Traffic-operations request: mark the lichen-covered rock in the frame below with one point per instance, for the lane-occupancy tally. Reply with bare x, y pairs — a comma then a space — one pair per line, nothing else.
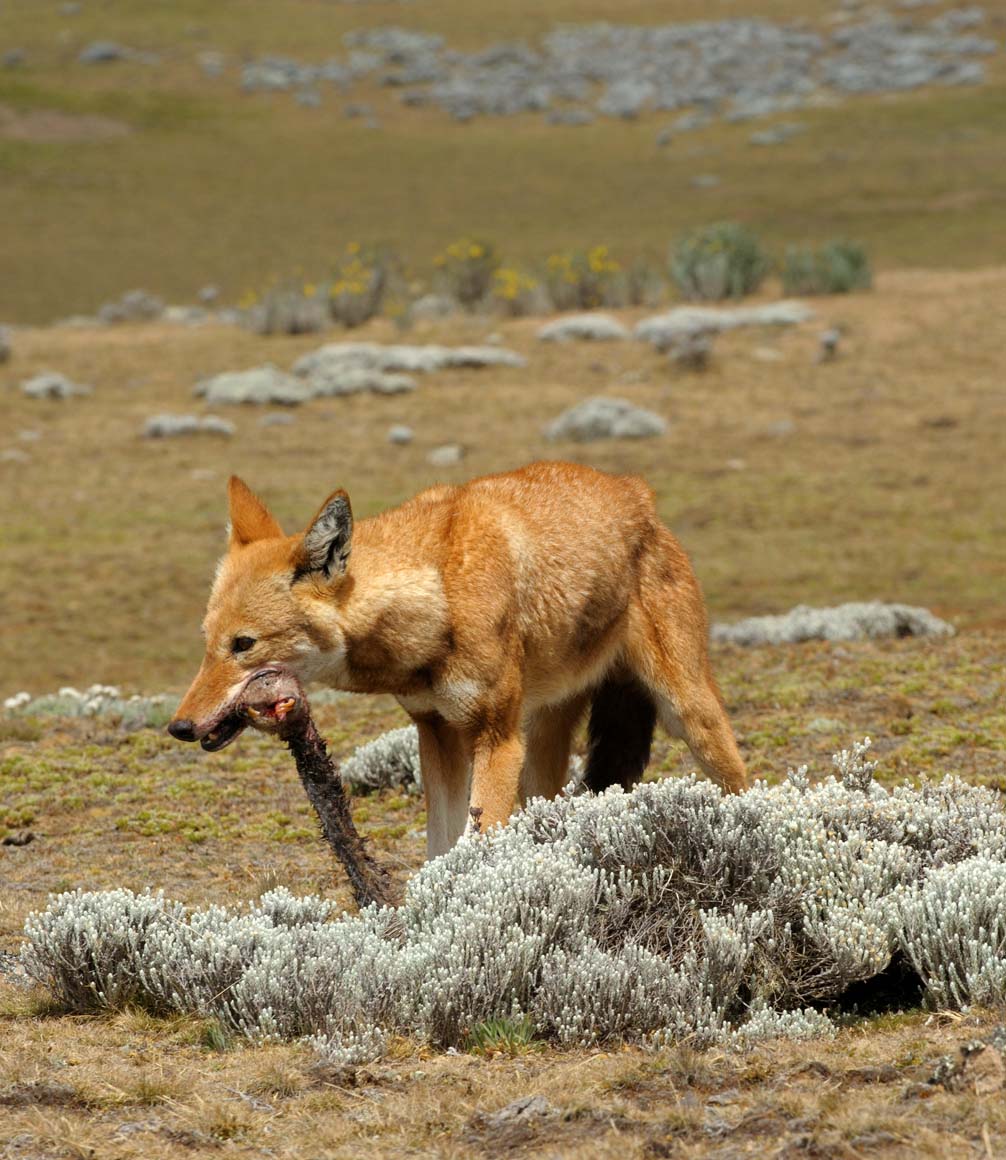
339, 357
589, 327
448, 455
260, 385
52, 385
854, 621
662, 329
601, 418
167, 426
133, 306
345, 378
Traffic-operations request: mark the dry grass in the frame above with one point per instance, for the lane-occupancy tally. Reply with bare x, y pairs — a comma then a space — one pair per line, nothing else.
128, 1087
213, 185
887, 486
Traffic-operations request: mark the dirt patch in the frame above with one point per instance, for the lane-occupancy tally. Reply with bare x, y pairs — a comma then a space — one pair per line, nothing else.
45, 125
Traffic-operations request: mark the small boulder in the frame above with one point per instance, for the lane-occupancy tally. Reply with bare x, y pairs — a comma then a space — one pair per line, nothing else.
400, 434
449, 455
260, 385
601, 418
52, 385
167, 426
587, 327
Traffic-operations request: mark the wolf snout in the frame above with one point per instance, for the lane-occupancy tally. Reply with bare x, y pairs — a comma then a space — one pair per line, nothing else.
182, 729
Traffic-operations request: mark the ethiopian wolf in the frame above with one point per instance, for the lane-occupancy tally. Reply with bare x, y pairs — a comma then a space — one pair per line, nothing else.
498, 613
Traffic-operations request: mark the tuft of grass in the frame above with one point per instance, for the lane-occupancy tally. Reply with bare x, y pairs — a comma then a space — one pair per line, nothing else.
504, 1036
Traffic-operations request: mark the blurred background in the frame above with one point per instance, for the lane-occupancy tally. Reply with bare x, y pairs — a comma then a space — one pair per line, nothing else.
193, 189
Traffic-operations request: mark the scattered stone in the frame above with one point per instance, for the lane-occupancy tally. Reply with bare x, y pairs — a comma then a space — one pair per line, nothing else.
433, 306
521, 1110
52, 385
781, 429
689, 122
449, 455
691, 351
276, 419
309, 99
777, 135
828, 342
766, 354
400, 434
570, 117
704, 181
102, 52
14, 58
350, 379
28, 435
662, 329
588, 327
185, 315
212, 64
340, 356
749, 68
133, 306
261, 385
5, 344
854, 621
824, 725
167, 426
209, 295
602, 418
14, 455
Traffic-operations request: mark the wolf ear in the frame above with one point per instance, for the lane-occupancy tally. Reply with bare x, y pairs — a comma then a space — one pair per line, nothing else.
250, 518
326, 543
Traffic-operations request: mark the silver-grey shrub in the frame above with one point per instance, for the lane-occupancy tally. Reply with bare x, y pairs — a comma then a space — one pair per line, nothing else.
390, 761
134, 712
838, 267
724, 260
669, 913
857, 620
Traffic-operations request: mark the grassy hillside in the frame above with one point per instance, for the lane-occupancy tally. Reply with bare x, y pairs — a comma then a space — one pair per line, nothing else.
191, 181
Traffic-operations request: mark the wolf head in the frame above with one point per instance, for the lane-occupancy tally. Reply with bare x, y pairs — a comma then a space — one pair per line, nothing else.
273, 606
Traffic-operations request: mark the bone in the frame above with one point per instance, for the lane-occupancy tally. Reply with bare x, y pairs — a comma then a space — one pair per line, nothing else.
275, 703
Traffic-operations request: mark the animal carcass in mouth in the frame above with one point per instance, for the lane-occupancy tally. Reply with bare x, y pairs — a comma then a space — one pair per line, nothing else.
274, 702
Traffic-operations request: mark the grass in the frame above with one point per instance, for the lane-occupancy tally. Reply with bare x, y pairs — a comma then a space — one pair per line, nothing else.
214, 185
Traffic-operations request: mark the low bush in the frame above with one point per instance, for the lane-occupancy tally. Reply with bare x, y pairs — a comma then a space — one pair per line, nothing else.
286, 309
359, 285
670, 913
720, 261
585, 279
465, 271
518, 294
835, 268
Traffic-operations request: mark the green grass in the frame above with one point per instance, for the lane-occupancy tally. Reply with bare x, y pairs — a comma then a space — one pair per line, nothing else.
214, 185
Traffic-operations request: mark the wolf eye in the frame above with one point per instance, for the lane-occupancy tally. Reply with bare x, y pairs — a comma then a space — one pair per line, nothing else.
242, 644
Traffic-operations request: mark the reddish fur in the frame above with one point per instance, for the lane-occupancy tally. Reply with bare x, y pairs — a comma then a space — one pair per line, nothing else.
494, 611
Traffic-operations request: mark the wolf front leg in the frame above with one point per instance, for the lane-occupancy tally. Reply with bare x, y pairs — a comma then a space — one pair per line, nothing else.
446, 764
497, 761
